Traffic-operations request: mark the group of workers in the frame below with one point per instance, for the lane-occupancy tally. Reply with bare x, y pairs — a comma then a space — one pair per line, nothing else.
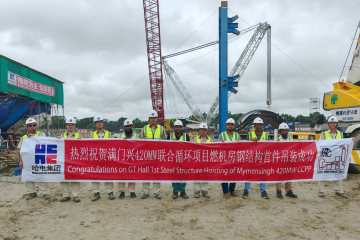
155, 131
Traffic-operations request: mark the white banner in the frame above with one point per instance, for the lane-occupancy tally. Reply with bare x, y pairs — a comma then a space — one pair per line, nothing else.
118, 160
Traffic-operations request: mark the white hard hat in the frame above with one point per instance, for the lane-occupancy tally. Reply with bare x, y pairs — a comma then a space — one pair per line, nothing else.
333, 119
128, 122
230, 120
153, 113
258, 120
203, 125
283, 126
98, 118
70, 120
178, 123
30, 120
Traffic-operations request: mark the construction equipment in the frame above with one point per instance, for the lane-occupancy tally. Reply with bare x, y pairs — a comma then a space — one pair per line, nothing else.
244, 60
344, 100
153, 43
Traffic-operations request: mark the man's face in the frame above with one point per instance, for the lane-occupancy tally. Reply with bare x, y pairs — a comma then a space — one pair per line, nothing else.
203, 132
230, 126
70, 127
258, 126
332, 125
284, 131
31, 127
99, 125
153, 120
178, 129
128, 128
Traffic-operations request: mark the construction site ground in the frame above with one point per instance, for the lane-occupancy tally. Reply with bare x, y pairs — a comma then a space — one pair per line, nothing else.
307, 217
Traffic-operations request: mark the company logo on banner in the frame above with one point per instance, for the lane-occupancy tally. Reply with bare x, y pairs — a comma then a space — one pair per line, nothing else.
332, 159
21, 82
46, 159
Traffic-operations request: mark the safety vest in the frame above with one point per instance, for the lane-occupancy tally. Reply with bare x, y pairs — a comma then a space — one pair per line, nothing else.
65, 135
197, 139
326, 135
225, 136
25, 136
264, 136
182, 138
280, 138
94, 134
134, 136
148, 132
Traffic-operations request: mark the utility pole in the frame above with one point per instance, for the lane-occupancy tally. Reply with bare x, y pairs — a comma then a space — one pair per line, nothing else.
226, 83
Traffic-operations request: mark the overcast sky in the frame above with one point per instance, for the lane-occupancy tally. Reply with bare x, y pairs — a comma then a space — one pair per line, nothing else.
98, 49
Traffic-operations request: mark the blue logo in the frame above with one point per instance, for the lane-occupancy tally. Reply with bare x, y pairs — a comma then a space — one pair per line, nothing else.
45, 154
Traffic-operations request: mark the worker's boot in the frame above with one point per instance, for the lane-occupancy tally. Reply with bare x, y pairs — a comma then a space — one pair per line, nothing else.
205, 194
197, 194
96, 197
111, 196
31, 196
175, 195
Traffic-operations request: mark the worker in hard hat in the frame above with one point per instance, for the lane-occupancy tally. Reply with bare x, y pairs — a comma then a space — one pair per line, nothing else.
31, 131
202, 138
152, 131
332, 133
179, 135
257, 135
284, 136
101, 133
74, 187
130, 135
229, 136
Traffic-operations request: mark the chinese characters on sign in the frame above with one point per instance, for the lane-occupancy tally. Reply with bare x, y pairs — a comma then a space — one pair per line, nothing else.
21, 82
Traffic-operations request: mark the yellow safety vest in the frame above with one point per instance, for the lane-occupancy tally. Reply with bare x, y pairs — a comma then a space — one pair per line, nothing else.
25, 136
197, 139
182, 138
158, 131
264, 136
94, 134
326, 135
280, 138
134, 136
225, 136
65, 135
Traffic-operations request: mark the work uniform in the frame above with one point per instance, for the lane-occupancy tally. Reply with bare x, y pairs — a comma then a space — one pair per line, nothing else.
109, 186
30, 186
74, 187
226, 187
178, 186
131, 185
327, 135
152, 133
201, 186
287, 184
264, 136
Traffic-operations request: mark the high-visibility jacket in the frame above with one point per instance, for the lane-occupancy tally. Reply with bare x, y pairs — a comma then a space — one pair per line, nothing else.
134, 136
94, 134
264, 136
182, 138
158, 132
76, 135
326, 135
26, 135
197, 139
225, 136
280, 138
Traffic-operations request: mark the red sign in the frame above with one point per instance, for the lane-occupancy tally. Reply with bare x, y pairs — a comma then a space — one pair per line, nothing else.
30, 85
144, 160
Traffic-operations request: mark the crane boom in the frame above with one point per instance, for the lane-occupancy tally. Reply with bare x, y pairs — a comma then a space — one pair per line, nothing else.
153, 43
174, 78
241, 64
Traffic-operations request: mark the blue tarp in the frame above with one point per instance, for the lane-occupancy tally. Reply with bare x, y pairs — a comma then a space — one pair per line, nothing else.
12, 109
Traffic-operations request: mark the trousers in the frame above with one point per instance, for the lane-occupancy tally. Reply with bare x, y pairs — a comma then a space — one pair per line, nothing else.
226, 187
337, 186
146, 187
131, 187
109, 186
30, 187
200, 186
287, 186
179, 187
67, 187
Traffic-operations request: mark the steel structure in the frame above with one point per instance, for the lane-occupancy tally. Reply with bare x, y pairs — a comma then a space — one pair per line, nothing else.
244, 60
153, 43
174, 78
